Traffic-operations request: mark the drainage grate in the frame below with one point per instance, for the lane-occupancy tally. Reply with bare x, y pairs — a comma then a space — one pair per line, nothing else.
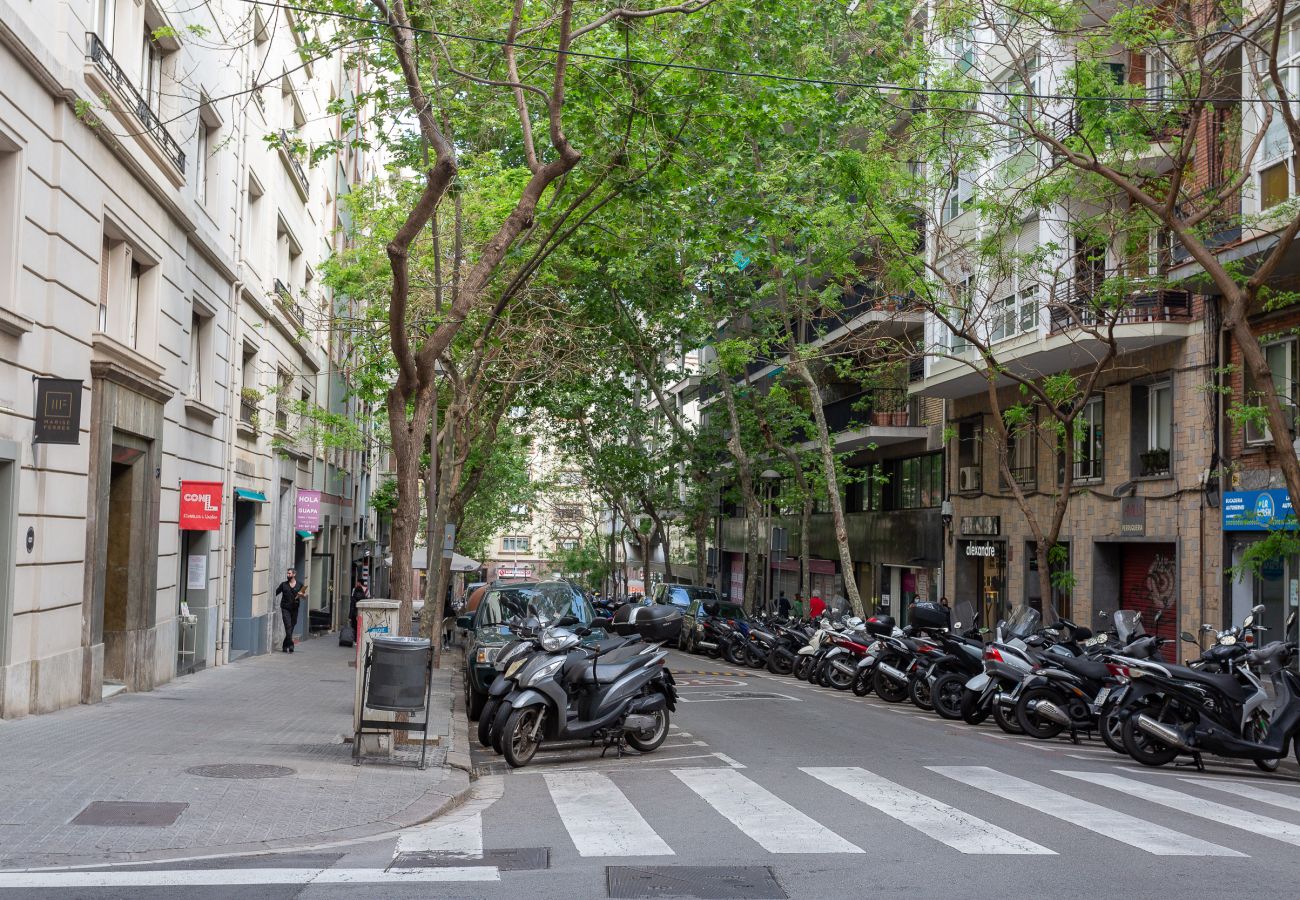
517, 859
240, 770
128, 812
705, 882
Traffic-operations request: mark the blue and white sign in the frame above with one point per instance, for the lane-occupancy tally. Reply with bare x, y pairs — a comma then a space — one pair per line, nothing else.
1258, 511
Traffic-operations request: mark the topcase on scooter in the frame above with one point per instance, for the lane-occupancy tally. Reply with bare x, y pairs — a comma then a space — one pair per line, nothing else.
926, 614
657, 622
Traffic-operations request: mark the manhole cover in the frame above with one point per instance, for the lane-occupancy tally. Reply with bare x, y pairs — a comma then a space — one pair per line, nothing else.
239, 770
705, 882
714, 696
129, 812
516, 859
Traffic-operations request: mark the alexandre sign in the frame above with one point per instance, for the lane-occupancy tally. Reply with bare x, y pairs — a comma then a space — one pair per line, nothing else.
985, 549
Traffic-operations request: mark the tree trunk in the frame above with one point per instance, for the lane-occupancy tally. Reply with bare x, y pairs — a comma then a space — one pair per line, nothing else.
832, 481
408, 436
744, 470
699, 526
805, 523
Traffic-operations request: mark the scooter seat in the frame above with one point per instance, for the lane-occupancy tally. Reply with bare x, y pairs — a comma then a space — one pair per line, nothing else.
1084, 667
1227, 684
609, 672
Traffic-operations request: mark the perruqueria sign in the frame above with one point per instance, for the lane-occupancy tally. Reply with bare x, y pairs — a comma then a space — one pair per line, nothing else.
982, 549
1258, 511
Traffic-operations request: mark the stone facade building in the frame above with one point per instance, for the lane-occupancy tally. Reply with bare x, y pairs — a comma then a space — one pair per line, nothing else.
157, 251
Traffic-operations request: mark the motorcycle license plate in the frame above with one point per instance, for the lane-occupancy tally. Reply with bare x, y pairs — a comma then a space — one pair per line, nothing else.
1101, 697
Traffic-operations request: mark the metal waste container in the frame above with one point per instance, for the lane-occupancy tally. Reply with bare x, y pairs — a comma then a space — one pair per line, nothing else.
398, 668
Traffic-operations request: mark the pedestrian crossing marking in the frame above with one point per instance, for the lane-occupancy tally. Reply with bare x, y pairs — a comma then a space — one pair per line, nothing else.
944, 823
128, 878
1250, 792
1135, 832
774, 824
599, 817
1232, 816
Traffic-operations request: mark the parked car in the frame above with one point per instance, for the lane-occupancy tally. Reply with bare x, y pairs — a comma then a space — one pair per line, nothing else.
699, 613
488, 626
682, 596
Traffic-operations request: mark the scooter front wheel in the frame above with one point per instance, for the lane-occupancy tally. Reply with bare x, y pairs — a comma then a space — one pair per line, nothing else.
840, 679
1006, 718
862, 682
780, 661
485, 720
946, 693
918, 690
1033, 724
519, 744
889, 690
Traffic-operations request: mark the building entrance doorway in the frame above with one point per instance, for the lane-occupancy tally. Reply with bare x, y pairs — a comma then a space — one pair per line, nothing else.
242, 639
123, 580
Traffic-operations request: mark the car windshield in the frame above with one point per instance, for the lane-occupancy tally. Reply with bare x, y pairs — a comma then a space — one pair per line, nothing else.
682, 596
545, 601
1023, 622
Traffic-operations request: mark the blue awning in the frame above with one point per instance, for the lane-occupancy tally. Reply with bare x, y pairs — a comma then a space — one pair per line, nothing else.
246, 494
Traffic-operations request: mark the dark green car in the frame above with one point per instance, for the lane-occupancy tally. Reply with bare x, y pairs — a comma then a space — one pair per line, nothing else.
488, 631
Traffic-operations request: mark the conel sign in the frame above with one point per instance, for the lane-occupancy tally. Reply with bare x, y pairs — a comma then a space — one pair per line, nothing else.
201, 505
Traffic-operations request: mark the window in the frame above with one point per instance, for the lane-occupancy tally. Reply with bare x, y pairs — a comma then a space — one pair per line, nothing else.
284, 387
964, 293
919, 481
207, 139
1274, 185
1281, 357
251, 386
568, 478
253, 227
151, 66
1088, 444
105, 19
568, 513
962, 44
200, 353
1022, 454
10, 206
1157, 66
961, 196
1153, 407
569, 544
516, 544
126, 288
970, 455
519, 509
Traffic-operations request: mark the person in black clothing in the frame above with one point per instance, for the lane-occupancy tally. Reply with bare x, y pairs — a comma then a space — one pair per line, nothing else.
783, 606
358, 594
290, 594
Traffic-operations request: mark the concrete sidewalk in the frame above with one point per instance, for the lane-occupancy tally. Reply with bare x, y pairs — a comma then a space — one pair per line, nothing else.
280, 710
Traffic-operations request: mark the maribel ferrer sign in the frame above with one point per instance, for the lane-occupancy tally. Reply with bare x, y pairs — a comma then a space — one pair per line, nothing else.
1258, 511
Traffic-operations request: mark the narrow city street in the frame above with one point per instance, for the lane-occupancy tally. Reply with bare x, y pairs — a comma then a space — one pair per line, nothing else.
769, 788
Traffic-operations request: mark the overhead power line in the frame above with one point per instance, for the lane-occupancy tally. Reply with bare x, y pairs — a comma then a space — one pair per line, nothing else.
714, 70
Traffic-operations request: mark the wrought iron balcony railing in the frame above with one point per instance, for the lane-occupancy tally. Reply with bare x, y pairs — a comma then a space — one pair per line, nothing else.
289, 301
113, 72
286, 148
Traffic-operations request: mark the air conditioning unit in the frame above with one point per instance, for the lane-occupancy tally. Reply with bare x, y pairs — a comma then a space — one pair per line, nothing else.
1260, 433
968, 478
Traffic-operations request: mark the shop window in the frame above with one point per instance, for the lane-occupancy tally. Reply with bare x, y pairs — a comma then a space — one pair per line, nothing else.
970, 455
1153, 409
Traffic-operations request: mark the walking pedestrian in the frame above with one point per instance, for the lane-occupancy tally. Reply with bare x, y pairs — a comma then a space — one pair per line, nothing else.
290, 594
799, 609
816, 606
783, 606
358, 594
448, 619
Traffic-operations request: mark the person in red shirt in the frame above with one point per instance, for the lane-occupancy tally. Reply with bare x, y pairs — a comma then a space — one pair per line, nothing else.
816, 606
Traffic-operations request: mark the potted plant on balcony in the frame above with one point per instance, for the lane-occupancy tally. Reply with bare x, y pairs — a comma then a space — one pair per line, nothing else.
249, 398
1155, 461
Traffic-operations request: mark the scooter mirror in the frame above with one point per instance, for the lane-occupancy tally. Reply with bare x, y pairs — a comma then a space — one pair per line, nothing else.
1248, 621
1290, 620
1258, 609
1188, 637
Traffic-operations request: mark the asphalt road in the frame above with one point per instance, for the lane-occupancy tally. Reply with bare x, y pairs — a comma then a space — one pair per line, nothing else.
798, 792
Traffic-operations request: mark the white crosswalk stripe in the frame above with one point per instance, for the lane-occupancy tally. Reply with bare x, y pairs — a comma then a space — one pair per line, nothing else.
599, 817
1250, 792
1107, 822
774, 824
944, 823
1222, 813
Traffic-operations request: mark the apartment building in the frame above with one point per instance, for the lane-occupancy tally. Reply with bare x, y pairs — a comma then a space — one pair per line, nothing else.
1142, 525
162, 330
890, 444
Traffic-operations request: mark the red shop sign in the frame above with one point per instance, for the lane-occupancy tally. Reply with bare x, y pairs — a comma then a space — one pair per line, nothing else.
201, 505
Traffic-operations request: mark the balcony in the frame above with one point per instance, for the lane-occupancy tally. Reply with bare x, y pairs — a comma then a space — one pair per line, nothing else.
876, 417
1149, 318
301, 184
107, 71
289, 302
1153, 118
1076, 309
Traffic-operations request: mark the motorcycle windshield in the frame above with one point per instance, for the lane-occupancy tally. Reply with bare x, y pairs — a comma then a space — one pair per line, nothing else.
963, 616
1128, 625
1023, 622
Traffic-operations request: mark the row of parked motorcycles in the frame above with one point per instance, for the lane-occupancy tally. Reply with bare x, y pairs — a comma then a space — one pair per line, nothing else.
557, 683
1044, 680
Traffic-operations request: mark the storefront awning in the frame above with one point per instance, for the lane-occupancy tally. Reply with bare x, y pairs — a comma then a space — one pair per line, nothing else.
305, 535
246, 494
